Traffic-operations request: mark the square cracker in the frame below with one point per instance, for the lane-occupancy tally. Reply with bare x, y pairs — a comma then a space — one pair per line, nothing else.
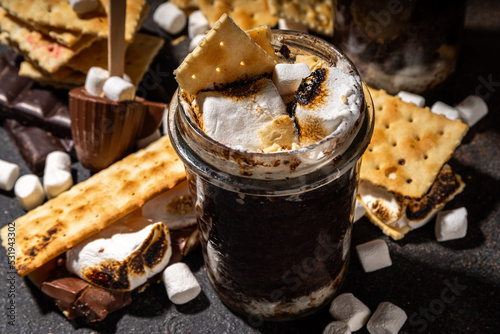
409, 145
88, 207
225, 55
317, 15
247, 14
59, 14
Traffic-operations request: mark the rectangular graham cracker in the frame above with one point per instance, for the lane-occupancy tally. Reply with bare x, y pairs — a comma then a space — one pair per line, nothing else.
226, 55
247, 14
317, 15
409, 145
88, 207
65, 37
59, 14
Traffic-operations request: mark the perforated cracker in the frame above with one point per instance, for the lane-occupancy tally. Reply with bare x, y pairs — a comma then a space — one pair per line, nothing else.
226, 55
409, 145
88, 207
247, 14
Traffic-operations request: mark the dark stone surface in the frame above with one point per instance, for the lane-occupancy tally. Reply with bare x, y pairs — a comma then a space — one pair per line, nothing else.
422, 270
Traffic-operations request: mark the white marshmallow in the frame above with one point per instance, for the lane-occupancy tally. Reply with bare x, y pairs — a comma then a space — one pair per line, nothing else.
336, 108
29, 191
387, 319
287, 77
472, 109
96, 77
378, 199
285, 24
359, 211
195, 41
124, 244
248, 114
442, 108
451, 224
374, 255
56, 181
57, 160
337, 327
170, 18
347, 308
197, 24
180, 283
143, 142
118, 89
416, 99
83, 6
164, 121
9, 172
174, 207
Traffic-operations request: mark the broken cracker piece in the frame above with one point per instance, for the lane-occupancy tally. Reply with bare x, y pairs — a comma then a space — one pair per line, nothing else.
261, 35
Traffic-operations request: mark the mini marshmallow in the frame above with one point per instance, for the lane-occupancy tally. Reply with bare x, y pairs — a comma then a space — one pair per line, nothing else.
29, 191
118, 89
83, 6
472, 109
374, 255
180, 283
56, 181
337, 327
287, 77
451, 224
170, 18
442, 108
285, 24
9, 173
195, 41
197, 24
143, 142
359, 211
408, 97
96, 77
57, 160
351, 310
387, 319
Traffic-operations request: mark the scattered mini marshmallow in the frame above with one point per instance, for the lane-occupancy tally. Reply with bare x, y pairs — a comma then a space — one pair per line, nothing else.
170, 18
442, 108
387, 319
408, 97
195, 41
451, 224
57, 160
83, 6
29, 192
472, 109
56, 181
143, 142
337, 327
96, 77
359, 211
197, 24
180, 283
287, 77
374, 255
285, 24
9, 172
351, 310
118, 89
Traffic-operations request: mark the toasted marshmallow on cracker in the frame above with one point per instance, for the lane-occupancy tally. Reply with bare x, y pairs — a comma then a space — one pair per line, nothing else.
328, 102
123, 255
380, 202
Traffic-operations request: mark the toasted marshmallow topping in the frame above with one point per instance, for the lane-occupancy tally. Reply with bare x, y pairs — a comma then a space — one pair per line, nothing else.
380, 202
122, 256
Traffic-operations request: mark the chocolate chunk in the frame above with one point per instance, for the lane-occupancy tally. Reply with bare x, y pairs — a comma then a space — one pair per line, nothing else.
183, 242
65, 289
34, 144
94, 304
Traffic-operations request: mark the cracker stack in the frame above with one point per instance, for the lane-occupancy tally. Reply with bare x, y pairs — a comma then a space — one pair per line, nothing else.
59, 46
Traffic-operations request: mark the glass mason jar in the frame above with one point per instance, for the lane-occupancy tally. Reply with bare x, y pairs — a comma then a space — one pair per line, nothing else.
410, 45
275, 227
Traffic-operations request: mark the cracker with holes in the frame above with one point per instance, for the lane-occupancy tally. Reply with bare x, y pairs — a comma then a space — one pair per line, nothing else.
215, 62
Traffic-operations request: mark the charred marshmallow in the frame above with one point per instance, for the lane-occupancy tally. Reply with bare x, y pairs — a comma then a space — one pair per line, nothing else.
123, 255
328, 103
379, 201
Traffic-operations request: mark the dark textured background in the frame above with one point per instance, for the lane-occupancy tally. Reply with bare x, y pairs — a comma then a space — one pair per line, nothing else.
421, 266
